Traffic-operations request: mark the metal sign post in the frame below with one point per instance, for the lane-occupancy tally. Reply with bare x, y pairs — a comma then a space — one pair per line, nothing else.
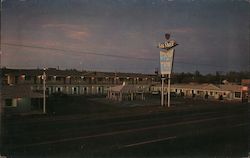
166, 64
162, 90
169, 90
44, 91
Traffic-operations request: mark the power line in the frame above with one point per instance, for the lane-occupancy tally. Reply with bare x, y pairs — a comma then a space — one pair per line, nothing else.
74, 51
81, 53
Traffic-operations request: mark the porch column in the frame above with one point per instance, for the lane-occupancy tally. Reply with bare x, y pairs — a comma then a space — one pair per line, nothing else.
108, 94
142, 97
120, 96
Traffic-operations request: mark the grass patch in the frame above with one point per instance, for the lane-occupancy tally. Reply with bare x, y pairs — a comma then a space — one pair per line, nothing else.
68, 105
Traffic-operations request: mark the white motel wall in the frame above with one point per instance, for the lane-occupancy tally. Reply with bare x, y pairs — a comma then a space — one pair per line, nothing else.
227, 92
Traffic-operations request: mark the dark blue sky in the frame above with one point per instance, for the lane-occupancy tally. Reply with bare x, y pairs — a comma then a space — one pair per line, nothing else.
213, 35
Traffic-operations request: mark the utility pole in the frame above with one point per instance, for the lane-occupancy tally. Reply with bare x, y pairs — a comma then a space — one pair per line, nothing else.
44, 91
1, 34
1, 105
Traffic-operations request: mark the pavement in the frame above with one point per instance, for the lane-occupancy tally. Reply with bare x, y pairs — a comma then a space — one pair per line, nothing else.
191, 131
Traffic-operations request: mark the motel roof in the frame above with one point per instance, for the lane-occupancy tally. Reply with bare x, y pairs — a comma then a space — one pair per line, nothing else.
208, 87
73, 73
204, 86
231, 87
124, 88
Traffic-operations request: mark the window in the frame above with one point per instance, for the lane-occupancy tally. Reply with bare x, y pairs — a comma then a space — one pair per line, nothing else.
85, 89
49, 78
237, 94
99, 90
74, 90
8, 102
211, 93
27, 78
16, 79
59, 89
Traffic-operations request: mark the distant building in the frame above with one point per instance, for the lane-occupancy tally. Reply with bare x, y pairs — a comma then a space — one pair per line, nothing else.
246, 84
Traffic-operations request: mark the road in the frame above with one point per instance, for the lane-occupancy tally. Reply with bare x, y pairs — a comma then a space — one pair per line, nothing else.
221, 131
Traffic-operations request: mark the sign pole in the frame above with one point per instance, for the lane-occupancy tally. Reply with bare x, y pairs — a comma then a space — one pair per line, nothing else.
162, 91
44, 90
169, 90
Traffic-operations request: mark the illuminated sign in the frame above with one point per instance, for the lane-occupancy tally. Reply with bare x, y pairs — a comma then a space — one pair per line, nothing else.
167, 45
166, 61
245, 88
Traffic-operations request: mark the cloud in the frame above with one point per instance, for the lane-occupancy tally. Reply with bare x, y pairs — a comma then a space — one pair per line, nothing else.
61, 26
75, 32
77, 35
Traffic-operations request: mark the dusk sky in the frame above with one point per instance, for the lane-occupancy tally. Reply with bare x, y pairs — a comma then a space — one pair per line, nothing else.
122, 35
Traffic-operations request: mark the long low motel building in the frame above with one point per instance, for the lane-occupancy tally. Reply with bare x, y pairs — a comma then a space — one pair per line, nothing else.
74, 82
227, 91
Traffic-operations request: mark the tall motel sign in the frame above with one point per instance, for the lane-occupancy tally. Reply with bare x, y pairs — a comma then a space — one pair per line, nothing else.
166, 64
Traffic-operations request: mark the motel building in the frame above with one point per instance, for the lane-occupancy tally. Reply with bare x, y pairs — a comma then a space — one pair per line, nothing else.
70, 82
20, 99
230, 92
22, 89
128, 92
